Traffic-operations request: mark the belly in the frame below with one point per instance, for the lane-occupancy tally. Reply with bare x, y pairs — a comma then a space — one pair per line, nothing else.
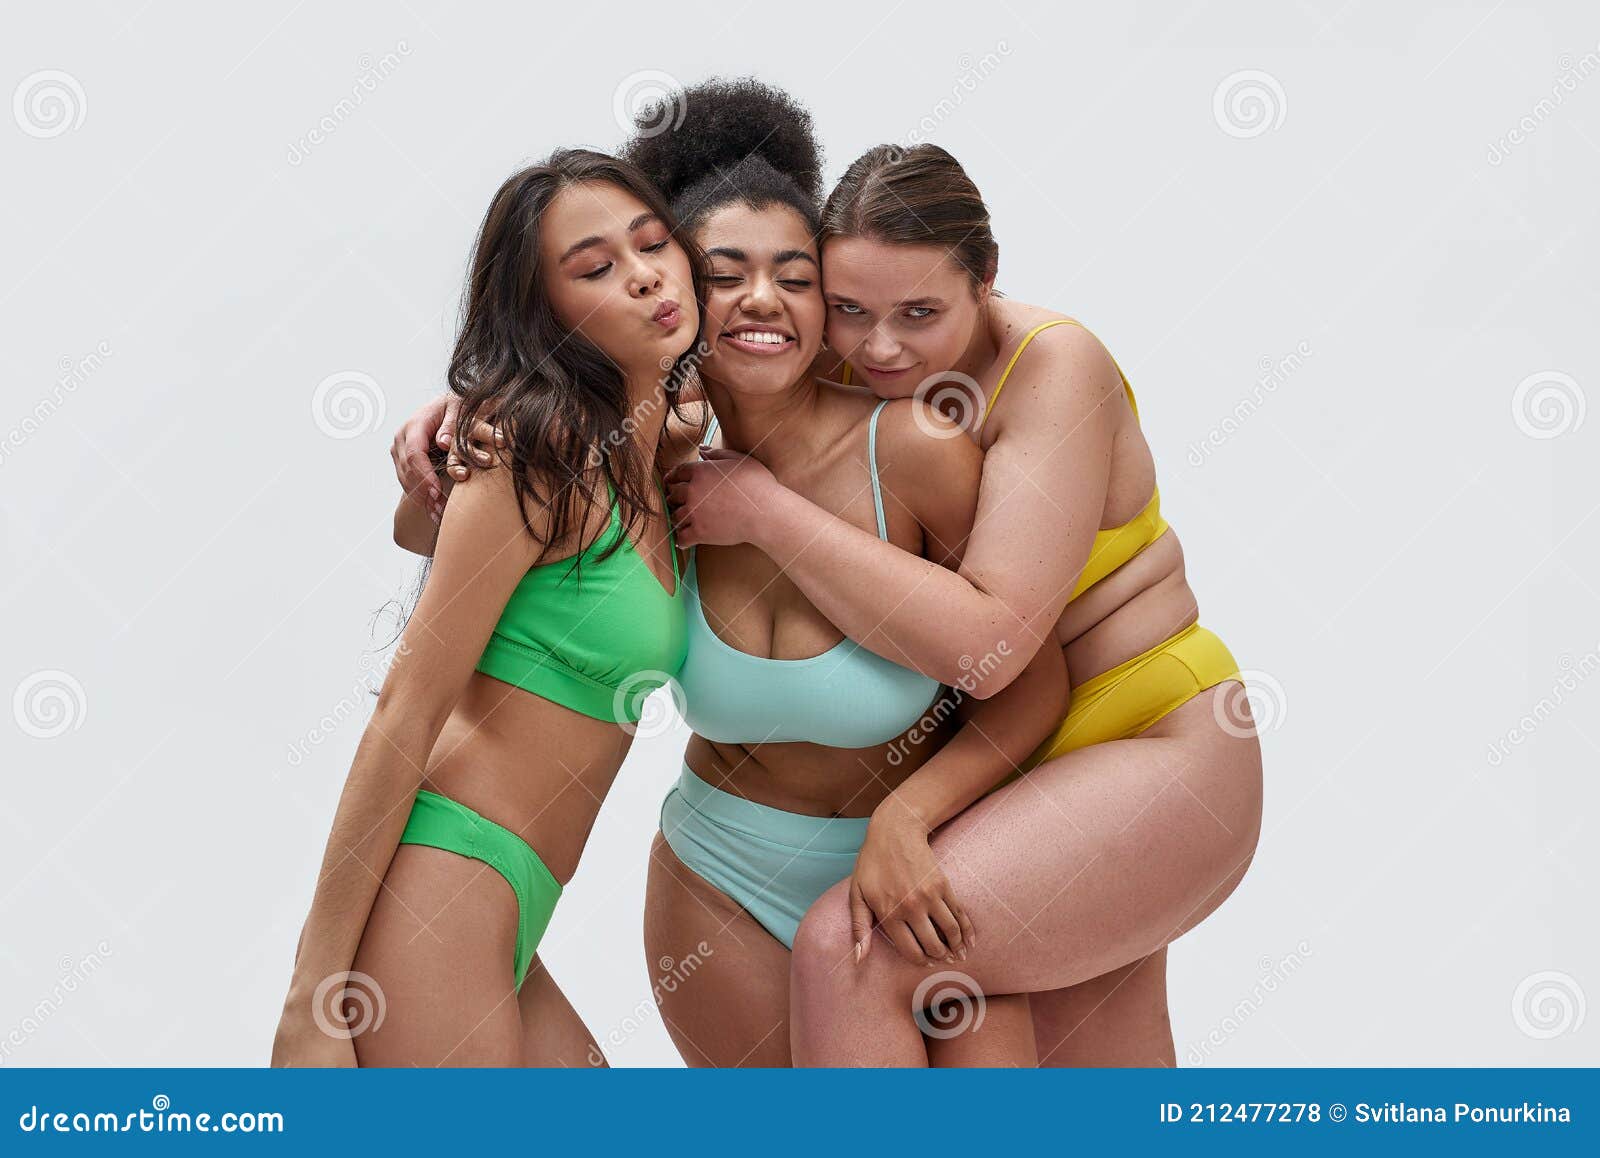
535, 767
815, 780
1142, 603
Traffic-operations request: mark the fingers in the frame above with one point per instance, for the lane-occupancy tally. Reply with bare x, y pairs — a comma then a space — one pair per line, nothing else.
483, 437
948, 927
447, 428
860, 922
933, 946
905, 942
969, 939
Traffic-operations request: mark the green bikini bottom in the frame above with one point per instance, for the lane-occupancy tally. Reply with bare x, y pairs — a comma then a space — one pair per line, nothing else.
439, 822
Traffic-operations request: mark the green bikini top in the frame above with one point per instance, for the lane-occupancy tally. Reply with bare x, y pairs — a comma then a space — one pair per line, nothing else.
847, 697
597, 640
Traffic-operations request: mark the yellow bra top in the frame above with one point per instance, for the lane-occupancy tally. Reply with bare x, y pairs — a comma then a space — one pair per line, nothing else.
1113, 546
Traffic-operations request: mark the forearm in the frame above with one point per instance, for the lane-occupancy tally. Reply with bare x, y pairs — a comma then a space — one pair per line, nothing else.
414, 528
995, 737
907, 609
371, 815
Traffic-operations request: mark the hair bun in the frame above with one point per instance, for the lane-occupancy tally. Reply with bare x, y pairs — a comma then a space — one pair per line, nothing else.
718, 123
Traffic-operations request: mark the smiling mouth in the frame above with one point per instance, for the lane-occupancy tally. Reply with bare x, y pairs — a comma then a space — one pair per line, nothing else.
757, 341
887, 371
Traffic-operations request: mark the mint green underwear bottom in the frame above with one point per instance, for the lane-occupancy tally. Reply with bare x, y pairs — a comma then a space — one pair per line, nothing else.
773, 864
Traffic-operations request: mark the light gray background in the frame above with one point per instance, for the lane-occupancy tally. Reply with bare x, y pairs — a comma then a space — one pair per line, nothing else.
1398, 544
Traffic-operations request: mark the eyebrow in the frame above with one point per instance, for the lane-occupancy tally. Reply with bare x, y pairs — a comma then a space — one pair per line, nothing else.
782, 257
909, 303
638, 222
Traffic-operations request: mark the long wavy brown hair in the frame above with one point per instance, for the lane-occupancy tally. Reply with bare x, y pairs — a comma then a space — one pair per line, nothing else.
560, 402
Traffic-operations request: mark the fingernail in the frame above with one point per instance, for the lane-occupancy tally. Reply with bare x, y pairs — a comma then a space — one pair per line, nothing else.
859, 947
963, 952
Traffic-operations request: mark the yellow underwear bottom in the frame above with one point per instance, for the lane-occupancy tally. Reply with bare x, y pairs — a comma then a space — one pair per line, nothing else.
1127, 699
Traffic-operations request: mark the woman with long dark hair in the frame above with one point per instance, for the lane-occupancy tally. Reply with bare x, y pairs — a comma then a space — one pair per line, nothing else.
553, 607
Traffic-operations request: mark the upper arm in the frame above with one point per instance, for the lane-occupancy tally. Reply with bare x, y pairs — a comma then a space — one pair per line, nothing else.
483, 550
928, 464
1045, 475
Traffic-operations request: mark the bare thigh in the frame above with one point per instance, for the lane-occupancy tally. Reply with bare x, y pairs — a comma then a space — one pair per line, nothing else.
438, 947
553, 1035
1117, 1019
1090, 862
722, 979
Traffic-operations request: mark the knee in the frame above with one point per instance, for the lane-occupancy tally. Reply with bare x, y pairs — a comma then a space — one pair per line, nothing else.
824, 942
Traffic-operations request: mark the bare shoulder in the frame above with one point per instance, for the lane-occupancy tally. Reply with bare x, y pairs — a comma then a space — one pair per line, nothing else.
1065, 369
919, 447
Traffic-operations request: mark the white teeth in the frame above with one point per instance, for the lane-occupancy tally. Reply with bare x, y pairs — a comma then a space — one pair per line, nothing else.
762, 336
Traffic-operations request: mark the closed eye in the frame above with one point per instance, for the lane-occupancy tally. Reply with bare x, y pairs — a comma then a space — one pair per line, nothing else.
593, 274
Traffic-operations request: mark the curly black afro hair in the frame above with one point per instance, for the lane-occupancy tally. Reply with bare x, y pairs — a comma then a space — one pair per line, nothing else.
723, 141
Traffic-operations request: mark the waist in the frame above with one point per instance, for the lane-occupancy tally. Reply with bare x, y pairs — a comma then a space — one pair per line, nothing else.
810, 779
837, 834
513, 757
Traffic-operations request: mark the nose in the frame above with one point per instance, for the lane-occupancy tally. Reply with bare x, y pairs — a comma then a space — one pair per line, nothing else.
643, 279
761, 297
880, 348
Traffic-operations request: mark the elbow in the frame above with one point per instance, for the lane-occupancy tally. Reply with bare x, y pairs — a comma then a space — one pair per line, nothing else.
988, 666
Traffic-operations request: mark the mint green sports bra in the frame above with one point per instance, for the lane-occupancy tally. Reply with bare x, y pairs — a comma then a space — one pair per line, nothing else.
597, 640
847, 697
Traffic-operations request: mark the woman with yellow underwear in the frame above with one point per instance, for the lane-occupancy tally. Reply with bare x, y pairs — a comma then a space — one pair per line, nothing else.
1140, 814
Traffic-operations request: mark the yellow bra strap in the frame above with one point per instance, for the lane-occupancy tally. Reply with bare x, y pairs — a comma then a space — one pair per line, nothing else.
1021, 346
846, 376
